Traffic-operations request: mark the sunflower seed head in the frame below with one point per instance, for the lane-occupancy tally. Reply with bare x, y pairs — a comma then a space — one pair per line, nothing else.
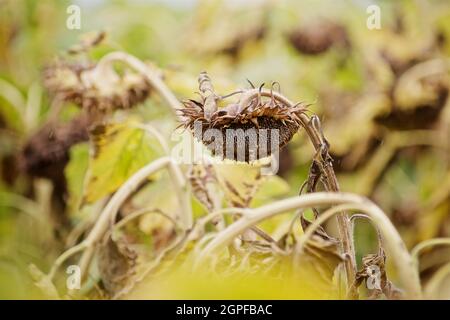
49, 148
261, 114
95, 90
318, 37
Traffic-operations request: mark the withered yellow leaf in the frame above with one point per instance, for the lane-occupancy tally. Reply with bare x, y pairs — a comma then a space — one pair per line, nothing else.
118, 151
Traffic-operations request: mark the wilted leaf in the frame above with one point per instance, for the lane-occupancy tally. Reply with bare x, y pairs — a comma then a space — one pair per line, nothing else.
116, 262
75, 172
203, 182
373, 272
119, 150
322, 257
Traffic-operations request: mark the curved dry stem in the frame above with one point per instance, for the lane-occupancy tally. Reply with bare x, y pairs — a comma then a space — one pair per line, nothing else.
365, 216
392, 142
84, 225
64, 256
152, 131
321, 219
436, 281
138, 213
147, 72
200, 223
175, 104
181, 188
201, 242
332, 184
107, 213
110, 211
301, 244
404, 262
331, 180
410, 79
426, 244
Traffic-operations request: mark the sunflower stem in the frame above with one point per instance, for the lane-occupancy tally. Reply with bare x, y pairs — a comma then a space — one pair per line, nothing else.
315, 134
154, 80
404, 262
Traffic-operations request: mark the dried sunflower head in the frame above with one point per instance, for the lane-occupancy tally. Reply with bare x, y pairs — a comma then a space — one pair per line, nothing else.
48, 148
95, 87
254, 127
319, 37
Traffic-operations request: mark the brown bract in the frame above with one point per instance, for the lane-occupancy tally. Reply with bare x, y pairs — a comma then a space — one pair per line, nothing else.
264, 116
95, 88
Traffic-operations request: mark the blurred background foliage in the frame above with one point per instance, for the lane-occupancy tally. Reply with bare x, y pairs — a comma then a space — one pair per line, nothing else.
385, 111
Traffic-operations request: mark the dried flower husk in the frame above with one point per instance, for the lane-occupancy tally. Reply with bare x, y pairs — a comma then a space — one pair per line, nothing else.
46, 154
318, 37
417, 105
47, 150
117, 262
94, 88
382, 286
269, 118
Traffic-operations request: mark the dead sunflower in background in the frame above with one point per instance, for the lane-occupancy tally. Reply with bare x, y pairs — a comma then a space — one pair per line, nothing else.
45, 155
316, 38
95, 87
254, 127
48, 149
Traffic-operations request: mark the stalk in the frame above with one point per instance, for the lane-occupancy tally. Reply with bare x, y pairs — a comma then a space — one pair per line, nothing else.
404, 262
154, 80
108, 214
345, 228
427, 244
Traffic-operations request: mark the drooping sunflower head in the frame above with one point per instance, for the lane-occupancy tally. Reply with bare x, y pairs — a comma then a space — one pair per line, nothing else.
319, 37
94, 87
258, 124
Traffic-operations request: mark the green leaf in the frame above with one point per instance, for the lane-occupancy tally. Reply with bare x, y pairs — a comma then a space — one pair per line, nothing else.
12, 105
75, 173
119, 150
